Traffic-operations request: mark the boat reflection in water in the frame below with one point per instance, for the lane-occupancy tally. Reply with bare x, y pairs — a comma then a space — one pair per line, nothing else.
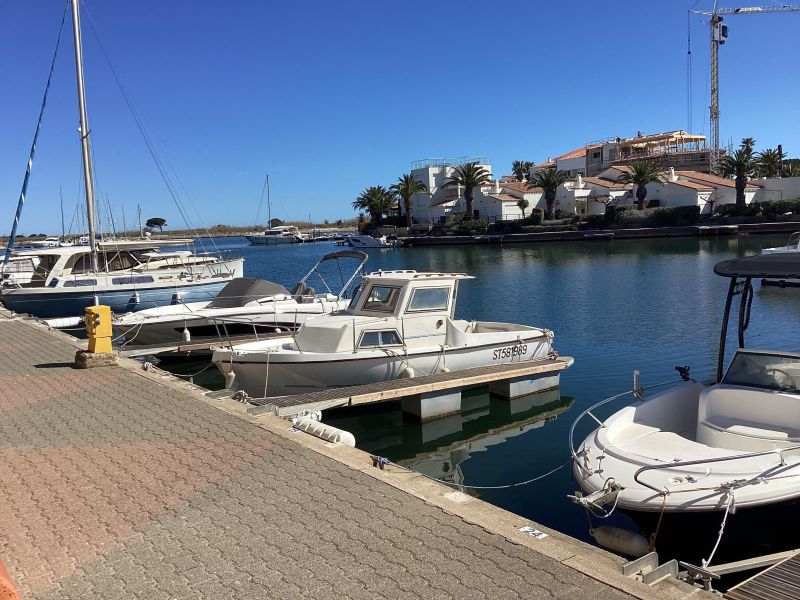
441, 448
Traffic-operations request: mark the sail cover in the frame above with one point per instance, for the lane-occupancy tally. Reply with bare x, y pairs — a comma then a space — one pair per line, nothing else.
242, 290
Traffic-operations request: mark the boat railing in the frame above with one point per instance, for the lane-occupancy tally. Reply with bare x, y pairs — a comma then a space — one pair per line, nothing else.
779, 452
637, 391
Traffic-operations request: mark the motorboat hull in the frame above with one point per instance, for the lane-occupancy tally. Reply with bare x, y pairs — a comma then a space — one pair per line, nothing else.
286, 373
270, 240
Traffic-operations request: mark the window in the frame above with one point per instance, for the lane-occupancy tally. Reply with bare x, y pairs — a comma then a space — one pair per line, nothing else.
429, 299
375, 339
762, 370
382, 298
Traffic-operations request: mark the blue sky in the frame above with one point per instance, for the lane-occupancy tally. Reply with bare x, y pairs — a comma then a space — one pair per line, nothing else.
331, 97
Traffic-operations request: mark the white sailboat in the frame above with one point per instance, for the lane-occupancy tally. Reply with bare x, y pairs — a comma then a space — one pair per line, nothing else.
282, 234
126, 275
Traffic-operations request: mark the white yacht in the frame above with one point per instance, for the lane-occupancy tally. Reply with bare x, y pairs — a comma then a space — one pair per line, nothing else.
716, 446
367, 241
246, 306
129, 275
399, 324
284, 234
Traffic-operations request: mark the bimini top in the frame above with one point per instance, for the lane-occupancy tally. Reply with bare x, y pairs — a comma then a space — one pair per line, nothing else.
773, 266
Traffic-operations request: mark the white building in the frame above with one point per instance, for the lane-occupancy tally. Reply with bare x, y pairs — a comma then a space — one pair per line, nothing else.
439, 202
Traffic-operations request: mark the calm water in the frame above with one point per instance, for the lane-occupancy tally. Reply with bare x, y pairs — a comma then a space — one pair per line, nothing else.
615, 306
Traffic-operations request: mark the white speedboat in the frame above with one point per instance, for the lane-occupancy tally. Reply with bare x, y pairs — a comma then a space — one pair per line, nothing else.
791, 247
732, 443
399, 324
367, 241
51, 242
245, 306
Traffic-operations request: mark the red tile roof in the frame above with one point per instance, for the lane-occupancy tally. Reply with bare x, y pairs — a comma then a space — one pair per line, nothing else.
504, 198
710, 179
703, 187
519, 186
607, 183
577, 153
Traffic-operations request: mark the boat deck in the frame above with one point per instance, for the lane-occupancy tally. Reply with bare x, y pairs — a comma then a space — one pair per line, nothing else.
399, 388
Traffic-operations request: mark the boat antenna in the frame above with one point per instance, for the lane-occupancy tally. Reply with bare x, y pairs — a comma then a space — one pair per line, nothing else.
84, 131
22, 193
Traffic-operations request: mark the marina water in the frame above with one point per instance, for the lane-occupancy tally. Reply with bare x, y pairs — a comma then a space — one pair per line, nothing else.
615, 306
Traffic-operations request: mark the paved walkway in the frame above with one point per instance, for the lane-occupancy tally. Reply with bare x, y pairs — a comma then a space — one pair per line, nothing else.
113, 485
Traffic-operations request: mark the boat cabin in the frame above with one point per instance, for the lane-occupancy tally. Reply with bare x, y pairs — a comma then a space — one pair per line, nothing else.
406, 293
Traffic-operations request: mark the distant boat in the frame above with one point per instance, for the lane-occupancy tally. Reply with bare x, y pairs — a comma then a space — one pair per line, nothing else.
51, 242
283, 234
367, 241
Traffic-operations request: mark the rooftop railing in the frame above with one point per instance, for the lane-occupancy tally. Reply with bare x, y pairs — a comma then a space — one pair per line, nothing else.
427, 163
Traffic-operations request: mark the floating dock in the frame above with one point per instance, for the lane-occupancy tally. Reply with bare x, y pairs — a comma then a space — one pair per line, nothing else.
429, 396
779, 582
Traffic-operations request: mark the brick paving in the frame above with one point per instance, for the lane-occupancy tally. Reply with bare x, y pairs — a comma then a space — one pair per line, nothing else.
115, 486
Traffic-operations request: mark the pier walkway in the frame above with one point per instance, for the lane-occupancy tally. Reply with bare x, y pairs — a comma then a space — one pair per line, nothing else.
121, 483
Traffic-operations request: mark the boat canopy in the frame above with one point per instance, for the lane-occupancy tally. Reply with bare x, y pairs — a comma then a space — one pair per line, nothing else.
246, 289
768, 266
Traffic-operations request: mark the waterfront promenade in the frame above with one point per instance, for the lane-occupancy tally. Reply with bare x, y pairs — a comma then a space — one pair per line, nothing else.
121, 483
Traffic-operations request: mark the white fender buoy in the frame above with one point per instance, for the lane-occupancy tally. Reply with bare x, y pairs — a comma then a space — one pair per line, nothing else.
278, 330
187, 335
325, 432
229, 377
622, 541
64, 322
407, 373
444, 370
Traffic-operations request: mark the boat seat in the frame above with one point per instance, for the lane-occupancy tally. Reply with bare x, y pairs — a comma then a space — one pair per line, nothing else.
747, 419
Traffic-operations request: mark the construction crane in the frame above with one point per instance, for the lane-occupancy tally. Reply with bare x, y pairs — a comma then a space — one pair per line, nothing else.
719, 34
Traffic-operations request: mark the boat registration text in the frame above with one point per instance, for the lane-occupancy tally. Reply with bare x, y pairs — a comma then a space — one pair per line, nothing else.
510, 351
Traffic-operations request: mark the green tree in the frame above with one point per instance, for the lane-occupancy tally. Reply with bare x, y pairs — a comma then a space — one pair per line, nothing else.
791, 167
748, 143
469, 175
376, 200
768, 162
549, 180
523, 204
156, 222
741, 165
521, 169
641, 173
407, 185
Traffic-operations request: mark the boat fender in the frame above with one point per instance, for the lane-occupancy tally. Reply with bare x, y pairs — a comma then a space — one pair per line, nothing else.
407, 373
444, 370
64, 322
229, 377
324, 432
278, 330
187, 335
622, 541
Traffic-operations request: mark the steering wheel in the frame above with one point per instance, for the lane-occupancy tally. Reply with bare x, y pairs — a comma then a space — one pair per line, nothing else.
781, 377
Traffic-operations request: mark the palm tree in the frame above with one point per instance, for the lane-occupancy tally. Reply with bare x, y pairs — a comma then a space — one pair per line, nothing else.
521, 169
741, 165
407, 185
791, 169
528, 165
523, 204
469, 175
768, 162
641, 173
549, 180
376, 200
748, 143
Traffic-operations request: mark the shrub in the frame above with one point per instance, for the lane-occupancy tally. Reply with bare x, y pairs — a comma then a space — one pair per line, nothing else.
535, 218
652, 203
730, 210
473, 225
780, 207
678, 216
596, 221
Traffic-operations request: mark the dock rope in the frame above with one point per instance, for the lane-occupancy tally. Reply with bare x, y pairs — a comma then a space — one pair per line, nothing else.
731, 505
382, 461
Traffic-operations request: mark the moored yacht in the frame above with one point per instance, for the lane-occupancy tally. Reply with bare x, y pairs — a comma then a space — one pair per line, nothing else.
283, 234
399, 324
129, 275
705, 447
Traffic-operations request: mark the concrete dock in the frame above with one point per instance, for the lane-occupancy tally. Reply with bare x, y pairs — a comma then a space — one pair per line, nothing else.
121, 483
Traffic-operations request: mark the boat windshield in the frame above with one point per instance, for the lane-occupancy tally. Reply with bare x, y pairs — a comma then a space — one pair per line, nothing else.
765, 370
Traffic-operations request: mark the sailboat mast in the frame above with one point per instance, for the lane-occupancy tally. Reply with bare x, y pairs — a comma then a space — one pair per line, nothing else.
84, 131
269, 207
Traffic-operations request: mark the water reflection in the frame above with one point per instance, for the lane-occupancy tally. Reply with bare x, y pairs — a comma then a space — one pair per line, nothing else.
442, 448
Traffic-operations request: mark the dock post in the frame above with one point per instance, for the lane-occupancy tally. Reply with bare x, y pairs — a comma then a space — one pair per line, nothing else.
523, 386
433, 405
98, 332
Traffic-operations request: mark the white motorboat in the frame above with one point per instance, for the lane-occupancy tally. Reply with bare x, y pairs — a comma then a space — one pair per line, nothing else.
732, 443
791, 247
51, 242
245, 306
399, 324
367, 241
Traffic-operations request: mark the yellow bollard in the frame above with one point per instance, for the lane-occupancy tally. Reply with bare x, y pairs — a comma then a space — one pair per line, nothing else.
98, 328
